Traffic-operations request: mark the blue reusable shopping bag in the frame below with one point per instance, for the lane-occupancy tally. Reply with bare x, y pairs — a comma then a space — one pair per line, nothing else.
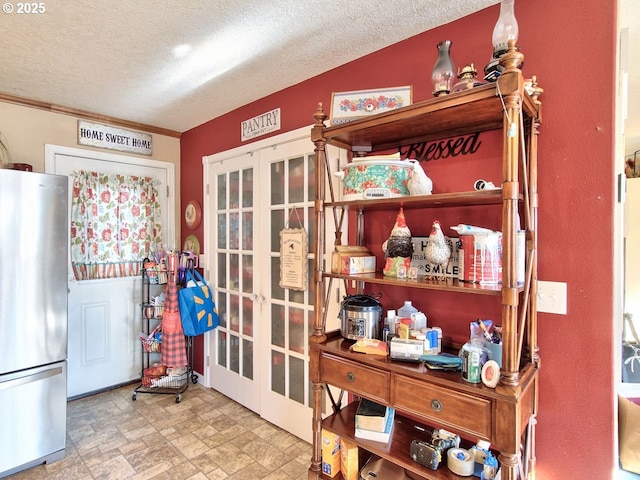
197, 308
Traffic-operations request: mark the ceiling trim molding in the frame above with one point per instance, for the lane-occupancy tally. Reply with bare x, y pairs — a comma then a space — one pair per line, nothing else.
26, 102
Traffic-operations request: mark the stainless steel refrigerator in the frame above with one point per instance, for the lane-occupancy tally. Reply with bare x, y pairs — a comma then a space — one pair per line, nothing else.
33, 319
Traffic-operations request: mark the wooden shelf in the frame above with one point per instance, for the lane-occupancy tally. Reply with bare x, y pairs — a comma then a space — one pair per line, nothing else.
447, 285
475, 110
460, 199
397, 450
337, 345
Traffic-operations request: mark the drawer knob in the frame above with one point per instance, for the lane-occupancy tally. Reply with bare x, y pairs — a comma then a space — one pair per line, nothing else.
351, 377
436, 405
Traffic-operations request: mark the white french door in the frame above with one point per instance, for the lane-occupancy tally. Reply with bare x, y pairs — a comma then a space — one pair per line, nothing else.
259, 354
231, 256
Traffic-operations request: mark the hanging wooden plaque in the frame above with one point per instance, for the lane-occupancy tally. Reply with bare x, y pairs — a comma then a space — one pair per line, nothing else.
294, 248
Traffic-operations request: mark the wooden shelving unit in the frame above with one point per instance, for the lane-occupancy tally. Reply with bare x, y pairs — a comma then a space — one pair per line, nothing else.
504, 415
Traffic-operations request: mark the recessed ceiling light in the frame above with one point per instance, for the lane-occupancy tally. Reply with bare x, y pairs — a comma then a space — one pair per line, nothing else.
181, 50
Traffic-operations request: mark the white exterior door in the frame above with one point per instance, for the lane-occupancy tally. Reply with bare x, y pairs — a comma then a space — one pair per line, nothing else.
104, 315
259, 354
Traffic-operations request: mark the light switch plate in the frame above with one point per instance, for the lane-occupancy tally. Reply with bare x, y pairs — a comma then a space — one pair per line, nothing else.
552, 297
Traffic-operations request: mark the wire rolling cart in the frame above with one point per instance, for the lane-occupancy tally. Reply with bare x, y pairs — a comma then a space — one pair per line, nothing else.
156, 378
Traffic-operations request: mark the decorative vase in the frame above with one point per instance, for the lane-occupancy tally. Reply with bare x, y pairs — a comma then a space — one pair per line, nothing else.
443, 71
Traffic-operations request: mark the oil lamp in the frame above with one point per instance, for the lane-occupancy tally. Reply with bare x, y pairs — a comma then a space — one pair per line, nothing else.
506, 29
467, 78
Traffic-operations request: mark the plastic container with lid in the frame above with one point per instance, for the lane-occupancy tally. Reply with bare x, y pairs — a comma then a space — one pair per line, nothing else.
404, 327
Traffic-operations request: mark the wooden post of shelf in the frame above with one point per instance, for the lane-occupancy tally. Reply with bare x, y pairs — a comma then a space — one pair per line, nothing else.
318, 335
316, 422
533, 213
510, 87
317, 137
532, 248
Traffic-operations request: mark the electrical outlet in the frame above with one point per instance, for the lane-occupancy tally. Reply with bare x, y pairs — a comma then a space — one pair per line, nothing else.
552, 297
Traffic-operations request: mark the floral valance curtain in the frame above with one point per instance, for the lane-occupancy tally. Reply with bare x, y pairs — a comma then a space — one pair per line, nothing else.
115, 222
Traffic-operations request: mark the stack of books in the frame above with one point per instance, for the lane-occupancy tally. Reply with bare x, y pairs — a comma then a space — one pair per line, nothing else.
374, 421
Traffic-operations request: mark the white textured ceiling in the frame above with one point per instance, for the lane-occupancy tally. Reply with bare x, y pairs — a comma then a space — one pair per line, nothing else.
176, 64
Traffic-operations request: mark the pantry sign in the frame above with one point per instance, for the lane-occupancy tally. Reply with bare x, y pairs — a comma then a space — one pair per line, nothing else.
260, 125
105, 136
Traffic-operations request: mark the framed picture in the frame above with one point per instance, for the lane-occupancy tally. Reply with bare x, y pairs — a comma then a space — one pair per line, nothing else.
191, 244
193, 214
349, 106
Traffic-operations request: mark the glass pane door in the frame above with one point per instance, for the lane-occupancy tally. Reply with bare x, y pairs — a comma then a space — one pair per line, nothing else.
252, 198
234, 361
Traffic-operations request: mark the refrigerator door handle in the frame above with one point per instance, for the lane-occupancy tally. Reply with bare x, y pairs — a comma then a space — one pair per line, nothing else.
12, 383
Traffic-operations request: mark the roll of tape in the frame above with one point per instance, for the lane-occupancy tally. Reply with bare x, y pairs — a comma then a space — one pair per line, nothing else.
490, 373
460, 461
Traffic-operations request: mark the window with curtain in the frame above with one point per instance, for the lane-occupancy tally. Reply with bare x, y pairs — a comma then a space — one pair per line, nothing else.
115, 223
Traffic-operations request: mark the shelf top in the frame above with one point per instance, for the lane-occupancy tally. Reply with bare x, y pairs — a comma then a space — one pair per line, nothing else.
474, 110
459, 199
335, 344
447, 285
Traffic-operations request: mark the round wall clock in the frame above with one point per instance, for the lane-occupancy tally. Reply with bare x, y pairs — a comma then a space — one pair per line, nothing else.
193, 214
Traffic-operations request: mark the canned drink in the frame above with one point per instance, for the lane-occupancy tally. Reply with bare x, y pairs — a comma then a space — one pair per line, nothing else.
471, 368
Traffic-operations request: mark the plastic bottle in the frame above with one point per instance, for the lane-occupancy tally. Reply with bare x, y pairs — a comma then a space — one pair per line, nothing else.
490, 467
389, 324
404, 327
439, 331
464, 229
407, 309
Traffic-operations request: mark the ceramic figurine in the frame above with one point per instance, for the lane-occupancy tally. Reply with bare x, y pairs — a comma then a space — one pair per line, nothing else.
419, 183
398, 249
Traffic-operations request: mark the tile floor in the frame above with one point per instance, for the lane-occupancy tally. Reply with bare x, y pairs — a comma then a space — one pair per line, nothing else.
206, 436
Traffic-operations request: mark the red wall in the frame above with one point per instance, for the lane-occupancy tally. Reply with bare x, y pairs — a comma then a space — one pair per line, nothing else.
571, 49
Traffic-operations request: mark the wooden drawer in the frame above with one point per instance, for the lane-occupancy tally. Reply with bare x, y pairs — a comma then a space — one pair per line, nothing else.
354, 377
447, 407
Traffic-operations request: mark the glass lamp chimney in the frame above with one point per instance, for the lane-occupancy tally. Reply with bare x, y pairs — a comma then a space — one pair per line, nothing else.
443, 71
506, 29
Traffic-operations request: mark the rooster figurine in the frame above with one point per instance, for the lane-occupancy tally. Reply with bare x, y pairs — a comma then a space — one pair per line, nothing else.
398, 248
438, 252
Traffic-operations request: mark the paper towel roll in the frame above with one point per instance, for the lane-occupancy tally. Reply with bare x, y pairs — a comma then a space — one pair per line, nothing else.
460, 461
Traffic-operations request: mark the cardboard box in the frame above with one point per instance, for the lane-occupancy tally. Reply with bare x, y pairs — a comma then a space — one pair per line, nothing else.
349, 460
330, 453
342, 251
352, 265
